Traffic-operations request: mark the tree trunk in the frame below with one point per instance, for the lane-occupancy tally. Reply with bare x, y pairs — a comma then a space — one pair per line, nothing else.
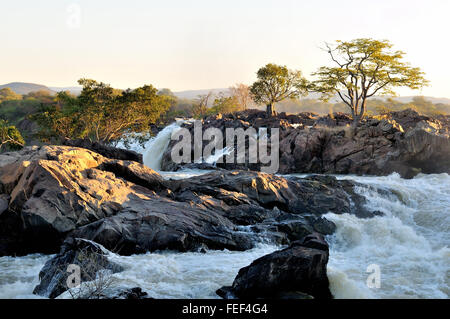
358, 117
270, 111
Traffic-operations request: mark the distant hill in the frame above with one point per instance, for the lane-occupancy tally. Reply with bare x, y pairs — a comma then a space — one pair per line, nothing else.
407, 99
25, 88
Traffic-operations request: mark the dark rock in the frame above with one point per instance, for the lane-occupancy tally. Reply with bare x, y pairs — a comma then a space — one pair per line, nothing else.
294, 229
300, 267
56, 192
158, 223
293, 295
292, 195
226, 292
4, 201
377, 213
324, 226
403, 142
132, 293
89, 256
105, 150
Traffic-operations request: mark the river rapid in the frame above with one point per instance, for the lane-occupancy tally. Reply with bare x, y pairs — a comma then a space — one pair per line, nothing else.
409, 245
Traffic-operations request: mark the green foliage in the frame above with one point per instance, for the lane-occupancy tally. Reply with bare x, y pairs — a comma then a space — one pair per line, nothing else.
6, 94
181, 108
363, 68
200, 106
166, 92
101, 113
15, 108
10, 137
225, 104
276, 83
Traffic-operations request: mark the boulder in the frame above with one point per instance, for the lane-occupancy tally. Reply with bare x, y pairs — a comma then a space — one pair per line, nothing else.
302, 267
132, 293
105, 150
88, 256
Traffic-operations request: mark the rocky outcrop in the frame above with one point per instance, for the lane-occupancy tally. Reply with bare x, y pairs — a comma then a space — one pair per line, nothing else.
297, 270
88, 256
403, 142
51, 193
105, 150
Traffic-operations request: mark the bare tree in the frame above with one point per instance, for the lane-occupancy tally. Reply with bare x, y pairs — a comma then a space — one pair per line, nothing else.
241, 93
95, 278
200, 107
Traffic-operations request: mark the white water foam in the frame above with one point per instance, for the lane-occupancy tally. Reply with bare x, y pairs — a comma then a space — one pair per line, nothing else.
19, 275
213, 158
135, 145
410, 242
185, 275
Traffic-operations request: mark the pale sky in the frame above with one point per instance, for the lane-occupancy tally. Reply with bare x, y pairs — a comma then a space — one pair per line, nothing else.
201, 44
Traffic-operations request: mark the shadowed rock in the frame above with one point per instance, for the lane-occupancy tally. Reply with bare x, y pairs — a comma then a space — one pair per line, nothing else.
299, 268
54, 192
88, 256
403, 142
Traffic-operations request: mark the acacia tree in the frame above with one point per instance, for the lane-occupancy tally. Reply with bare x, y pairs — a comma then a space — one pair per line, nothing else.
364, 67
276, 83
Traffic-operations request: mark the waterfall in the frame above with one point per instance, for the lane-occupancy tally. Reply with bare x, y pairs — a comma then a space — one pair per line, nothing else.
154, 151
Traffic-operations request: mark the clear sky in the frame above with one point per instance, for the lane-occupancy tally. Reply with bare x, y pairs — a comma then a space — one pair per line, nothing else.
199, 44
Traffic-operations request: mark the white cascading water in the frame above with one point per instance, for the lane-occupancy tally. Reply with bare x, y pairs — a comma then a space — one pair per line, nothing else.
213, 158
410, 244
152, 155
19, 275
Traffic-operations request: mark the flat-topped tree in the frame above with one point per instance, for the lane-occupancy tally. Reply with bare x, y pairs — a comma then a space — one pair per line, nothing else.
363, 68
276, 83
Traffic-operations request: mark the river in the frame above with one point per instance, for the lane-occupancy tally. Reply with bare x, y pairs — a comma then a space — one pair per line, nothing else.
409, 244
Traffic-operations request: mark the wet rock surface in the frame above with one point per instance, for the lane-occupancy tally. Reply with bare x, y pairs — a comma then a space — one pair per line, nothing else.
62, 195
88, 256
51, 193
298, 271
